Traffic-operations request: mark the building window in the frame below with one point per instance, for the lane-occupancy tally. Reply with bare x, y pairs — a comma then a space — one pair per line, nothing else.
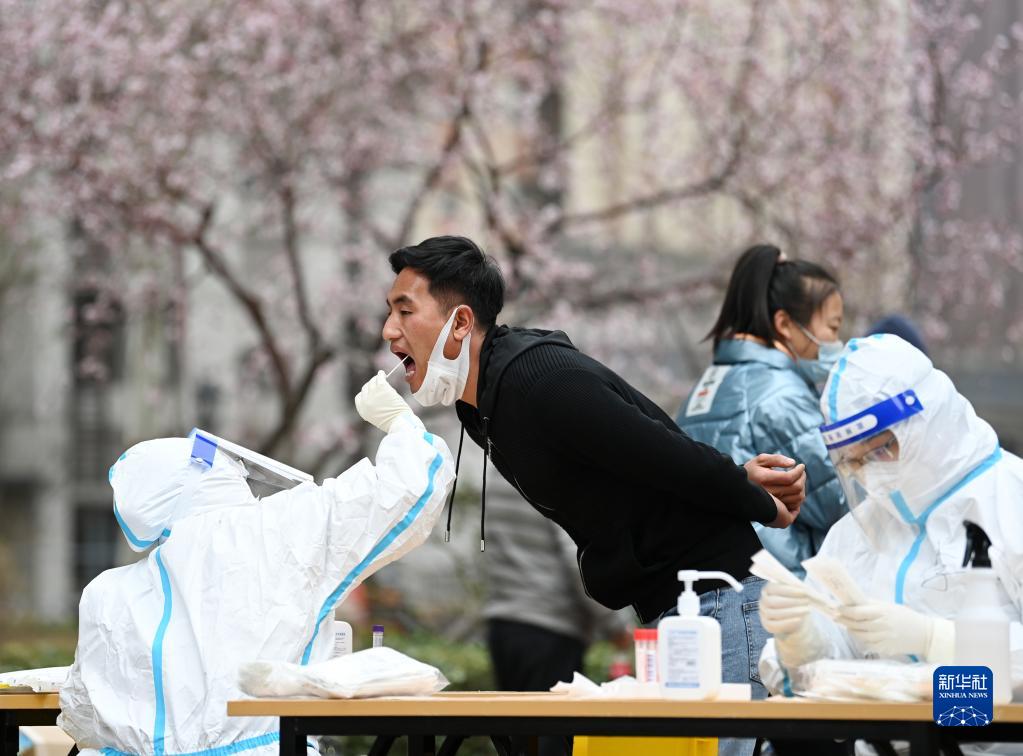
96, 542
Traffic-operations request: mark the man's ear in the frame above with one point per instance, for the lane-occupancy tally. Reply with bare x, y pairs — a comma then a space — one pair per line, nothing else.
465, 319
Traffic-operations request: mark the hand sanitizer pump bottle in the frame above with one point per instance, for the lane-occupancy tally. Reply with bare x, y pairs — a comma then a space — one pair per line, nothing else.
689, 646
981, 627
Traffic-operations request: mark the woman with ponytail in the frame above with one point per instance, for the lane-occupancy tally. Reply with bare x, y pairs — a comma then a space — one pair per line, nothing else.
774, 343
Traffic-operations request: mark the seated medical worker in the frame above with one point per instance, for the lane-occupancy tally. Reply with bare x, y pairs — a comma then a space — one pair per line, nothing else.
915, 462
232, 578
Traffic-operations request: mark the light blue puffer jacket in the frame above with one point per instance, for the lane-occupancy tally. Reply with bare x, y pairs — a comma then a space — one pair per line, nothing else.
752, 401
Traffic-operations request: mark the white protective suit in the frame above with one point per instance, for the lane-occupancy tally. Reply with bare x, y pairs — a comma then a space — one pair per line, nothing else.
905, 543
232, 579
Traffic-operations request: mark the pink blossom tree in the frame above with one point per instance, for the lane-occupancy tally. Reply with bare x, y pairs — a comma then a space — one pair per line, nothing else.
614, 156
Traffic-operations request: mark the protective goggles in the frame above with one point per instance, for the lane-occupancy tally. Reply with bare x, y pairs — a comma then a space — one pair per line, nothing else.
855, 442
259, 468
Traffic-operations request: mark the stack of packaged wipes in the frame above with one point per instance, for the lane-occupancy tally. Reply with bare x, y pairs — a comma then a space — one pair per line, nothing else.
45, 680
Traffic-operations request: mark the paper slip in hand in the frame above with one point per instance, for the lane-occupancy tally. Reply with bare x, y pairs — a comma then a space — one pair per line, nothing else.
767, 567
830, 573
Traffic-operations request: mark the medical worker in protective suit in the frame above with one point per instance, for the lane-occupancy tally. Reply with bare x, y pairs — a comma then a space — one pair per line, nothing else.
232, 579
916, 462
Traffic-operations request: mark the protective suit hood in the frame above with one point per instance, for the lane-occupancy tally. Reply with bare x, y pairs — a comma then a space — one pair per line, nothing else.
156, 483
908, 549
938, 448
161, 640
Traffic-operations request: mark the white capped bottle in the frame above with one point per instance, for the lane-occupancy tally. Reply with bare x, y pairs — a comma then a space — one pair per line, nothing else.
689, 646
342, 638
981, 627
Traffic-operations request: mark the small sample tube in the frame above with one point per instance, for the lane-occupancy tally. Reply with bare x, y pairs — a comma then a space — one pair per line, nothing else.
646, 654
378, 636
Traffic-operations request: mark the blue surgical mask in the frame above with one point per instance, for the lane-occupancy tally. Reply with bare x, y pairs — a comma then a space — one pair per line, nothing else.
816, 371
829, 351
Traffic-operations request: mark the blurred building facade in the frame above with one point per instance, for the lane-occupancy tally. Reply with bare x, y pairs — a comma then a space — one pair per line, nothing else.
81, 380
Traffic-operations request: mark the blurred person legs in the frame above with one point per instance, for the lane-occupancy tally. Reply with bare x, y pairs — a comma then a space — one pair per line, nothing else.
531, 658
540, 620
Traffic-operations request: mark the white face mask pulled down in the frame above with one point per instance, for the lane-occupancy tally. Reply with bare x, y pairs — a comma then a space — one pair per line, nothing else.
445, 379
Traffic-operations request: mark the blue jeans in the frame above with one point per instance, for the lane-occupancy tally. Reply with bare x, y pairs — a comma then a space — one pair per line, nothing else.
742, 640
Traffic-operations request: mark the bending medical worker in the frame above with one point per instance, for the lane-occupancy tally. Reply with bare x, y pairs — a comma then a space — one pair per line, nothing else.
915, 461
232, 579
775, 340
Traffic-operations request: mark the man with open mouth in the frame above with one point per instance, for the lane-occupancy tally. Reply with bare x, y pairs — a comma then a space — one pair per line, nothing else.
640, 499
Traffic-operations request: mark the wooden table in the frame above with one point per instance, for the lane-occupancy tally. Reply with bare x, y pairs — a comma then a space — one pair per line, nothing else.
460, 715
18, 709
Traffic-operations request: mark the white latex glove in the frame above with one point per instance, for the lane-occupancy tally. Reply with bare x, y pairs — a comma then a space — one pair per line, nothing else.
379, 404
894, 630
785, 613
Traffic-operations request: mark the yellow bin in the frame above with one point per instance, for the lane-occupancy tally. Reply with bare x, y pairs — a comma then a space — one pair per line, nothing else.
587, 746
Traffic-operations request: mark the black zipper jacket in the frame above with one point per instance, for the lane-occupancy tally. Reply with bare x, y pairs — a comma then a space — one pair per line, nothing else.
640, 499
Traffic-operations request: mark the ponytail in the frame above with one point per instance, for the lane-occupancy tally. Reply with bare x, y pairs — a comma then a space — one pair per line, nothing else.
761, 284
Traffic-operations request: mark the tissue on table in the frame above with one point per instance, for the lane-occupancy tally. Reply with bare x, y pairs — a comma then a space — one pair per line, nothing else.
629, 687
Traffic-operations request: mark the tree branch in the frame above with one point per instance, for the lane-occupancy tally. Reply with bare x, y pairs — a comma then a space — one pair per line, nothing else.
708, 185
451, 144
587, 300
250, 303
291, 253
293, 402
490, 189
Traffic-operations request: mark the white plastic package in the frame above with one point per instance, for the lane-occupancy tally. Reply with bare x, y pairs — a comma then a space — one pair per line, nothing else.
366, 674
863, 680
44, 680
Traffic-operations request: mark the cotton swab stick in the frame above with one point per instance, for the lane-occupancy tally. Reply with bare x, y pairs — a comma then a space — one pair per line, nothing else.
395, 368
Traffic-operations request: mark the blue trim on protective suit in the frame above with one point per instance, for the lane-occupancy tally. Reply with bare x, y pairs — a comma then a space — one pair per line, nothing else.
786, 683
387, 540
921, 521
132, 538
161, 709
242, 745
836, 376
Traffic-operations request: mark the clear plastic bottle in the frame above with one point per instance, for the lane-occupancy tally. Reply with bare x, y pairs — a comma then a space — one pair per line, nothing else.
689, 645
981, 626
646, 654
378, 636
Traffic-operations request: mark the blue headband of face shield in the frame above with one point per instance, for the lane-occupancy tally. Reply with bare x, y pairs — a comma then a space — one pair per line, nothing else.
872, 420
258, 467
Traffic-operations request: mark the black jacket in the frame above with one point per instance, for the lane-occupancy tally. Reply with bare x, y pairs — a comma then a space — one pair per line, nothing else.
640, 499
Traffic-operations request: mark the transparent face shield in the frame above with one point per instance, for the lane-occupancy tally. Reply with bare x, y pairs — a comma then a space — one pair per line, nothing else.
864, 451
265, 476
